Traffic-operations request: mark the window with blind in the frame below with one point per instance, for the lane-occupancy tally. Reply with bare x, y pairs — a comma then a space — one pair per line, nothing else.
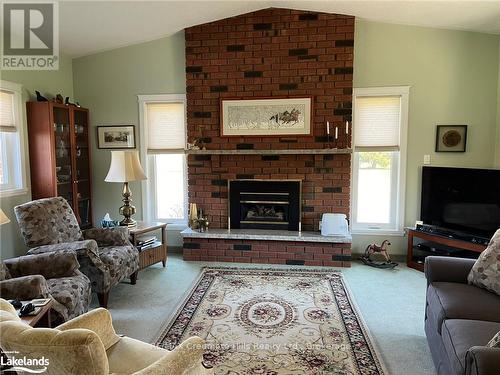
166, 127
379, 140
163, 134
11, 157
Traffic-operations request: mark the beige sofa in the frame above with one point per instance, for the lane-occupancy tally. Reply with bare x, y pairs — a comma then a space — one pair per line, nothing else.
88, 344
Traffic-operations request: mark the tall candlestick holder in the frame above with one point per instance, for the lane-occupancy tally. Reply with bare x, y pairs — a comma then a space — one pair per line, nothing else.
328, 134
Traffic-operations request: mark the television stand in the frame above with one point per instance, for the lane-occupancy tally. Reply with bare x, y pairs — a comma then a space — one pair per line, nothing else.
421, 245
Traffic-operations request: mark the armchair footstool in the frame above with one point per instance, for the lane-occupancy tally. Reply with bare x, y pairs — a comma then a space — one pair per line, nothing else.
106, 255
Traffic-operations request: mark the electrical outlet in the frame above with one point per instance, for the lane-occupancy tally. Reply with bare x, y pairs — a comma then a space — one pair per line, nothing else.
427, 159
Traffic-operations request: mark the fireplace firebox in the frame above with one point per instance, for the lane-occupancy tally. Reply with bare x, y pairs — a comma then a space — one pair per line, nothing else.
265, 204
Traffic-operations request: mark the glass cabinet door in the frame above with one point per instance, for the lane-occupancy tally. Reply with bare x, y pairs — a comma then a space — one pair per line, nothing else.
82, 170
62, 137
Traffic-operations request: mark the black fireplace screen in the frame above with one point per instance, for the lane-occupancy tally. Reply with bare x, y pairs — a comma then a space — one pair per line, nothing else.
264, 204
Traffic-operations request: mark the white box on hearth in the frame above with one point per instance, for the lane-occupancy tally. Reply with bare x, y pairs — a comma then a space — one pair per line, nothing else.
334, 225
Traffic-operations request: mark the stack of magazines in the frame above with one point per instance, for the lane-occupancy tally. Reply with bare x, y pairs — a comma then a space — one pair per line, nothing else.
145, 242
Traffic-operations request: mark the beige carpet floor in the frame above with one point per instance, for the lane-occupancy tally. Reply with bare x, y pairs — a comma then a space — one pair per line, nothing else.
391, 303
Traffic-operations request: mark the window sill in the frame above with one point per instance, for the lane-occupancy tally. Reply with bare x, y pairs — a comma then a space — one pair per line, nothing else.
378, 232
13, 192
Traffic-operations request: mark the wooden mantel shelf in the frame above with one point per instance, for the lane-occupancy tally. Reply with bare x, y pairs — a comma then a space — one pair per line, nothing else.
317, 151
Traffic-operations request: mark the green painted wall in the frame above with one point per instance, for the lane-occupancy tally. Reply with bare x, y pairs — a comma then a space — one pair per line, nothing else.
454, 80
108, 84
48, 83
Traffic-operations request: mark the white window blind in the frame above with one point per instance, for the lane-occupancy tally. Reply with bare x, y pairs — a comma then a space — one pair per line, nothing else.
377, 123
7, 111
166, 127
12, 168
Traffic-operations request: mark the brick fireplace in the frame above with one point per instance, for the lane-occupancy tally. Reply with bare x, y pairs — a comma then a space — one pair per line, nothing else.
269, 53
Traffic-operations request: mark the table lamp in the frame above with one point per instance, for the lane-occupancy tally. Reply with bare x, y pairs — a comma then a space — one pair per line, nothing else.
3, 218
125, 167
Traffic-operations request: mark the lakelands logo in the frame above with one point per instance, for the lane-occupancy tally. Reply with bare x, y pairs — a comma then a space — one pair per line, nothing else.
30, 36
24, 364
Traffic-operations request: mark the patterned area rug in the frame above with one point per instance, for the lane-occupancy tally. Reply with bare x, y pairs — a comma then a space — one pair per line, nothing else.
270, 322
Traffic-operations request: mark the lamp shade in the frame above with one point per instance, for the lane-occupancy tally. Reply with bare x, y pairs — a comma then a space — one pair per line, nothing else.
3, 218
125, 166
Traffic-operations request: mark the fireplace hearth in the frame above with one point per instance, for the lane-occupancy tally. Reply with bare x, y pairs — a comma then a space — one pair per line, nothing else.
265, 204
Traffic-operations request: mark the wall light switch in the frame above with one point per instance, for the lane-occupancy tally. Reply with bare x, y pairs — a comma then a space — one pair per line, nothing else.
427, 159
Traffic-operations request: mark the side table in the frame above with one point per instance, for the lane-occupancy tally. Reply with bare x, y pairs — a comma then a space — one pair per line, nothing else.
157, 251
42, 319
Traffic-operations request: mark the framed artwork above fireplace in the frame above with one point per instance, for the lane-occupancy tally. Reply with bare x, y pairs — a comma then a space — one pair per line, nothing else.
265, 117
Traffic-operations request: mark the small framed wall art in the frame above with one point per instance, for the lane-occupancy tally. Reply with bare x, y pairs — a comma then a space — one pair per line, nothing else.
451, 138
116, 136
265, 117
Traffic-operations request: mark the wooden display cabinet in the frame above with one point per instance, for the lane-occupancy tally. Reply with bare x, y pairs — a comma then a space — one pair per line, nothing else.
59, 148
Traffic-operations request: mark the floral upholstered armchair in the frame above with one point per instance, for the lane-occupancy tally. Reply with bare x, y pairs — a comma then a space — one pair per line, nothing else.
47, 275
106, 256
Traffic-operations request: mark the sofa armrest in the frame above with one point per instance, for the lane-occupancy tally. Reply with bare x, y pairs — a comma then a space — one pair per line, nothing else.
78, 351
98, 321
482, 360
24, 288
54, 264
447, 269
6, 307
84, 246
185, 358
86, 251
118, 236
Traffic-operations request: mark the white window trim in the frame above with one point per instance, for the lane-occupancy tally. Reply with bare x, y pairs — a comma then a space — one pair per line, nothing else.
16, 88
404, 93
148, 186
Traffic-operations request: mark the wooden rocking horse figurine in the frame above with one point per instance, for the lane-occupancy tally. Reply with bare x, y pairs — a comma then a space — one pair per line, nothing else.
382, 249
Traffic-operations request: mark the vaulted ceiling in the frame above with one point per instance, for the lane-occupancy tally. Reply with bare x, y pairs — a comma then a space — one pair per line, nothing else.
88, 27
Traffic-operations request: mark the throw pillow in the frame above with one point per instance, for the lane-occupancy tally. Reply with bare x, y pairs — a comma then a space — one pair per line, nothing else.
495, 341
486, 271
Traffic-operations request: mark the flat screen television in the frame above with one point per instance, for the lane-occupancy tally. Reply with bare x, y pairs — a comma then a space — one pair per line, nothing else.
465, 200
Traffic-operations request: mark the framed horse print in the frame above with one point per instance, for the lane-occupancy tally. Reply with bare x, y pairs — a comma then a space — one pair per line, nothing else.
266, 117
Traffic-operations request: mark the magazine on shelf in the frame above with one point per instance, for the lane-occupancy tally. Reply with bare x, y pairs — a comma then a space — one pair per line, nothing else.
145, 240
147, 246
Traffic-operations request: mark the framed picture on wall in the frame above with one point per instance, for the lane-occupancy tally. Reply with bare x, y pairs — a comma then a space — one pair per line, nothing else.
451, 138
116, 136
266, 117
